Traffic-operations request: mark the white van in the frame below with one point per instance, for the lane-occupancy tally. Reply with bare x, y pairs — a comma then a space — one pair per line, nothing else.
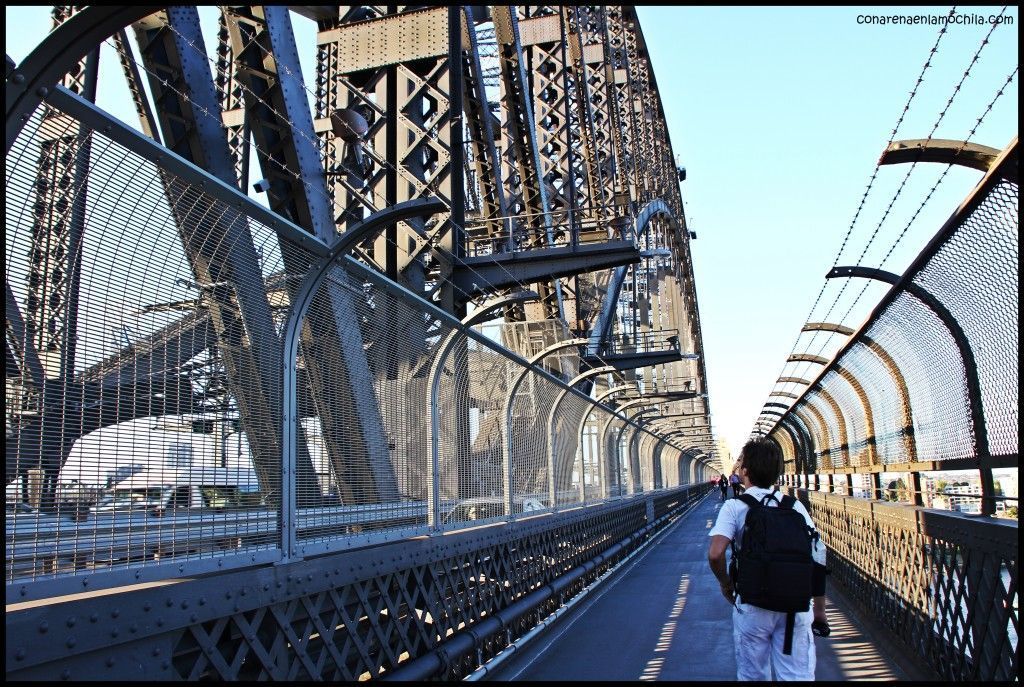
163, 491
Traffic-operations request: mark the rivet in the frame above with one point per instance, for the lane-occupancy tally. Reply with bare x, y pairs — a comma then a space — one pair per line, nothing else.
193, 618
202, 601
65, 674
159, 622
169, 602
44, 627
156, 651
227, 594
146, 606
184, 603
43, 91
71, 621
110, 662
19, 78
114, 613
165, 665
94, 618
19, 654
133, 628
114, 632
71, 642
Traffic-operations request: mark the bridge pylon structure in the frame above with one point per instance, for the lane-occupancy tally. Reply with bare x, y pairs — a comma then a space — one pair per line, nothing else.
268, 346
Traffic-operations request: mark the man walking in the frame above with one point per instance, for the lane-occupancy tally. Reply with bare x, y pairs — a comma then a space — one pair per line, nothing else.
723, 484
768, 641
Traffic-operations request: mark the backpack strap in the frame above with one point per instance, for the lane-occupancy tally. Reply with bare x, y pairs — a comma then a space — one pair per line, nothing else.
787, 642
749, 500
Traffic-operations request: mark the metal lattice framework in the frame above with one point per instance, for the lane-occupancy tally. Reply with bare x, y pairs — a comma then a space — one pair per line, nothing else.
470, 239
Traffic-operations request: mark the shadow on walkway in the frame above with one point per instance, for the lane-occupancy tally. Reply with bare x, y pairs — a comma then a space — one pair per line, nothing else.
662, 617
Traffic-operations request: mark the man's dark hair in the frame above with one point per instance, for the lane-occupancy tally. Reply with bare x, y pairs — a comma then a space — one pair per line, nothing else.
763, 461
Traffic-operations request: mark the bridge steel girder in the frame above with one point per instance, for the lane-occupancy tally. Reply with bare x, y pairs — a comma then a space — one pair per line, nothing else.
172, 50
278, 116
523, 178
410, 94
473, 276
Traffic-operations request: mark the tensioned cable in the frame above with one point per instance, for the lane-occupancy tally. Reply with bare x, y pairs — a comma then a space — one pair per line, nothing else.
870, 185
942, 114
999, 93
935, 186
906, 177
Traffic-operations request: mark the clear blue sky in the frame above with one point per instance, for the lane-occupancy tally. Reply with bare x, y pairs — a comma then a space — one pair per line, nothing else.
779, 115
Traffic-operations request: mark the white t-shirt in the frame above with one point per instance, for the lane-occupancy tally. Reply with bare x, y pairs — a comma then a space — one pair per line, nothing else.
734, 512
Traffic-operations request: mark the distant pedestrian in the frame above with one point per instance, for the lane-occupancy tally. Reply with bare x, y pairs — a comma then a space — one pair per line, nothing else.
723, 484
737, 488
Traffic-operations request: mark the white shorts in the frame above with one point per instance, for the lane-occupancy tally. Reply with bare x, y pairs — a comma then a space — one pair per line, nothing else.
759, 636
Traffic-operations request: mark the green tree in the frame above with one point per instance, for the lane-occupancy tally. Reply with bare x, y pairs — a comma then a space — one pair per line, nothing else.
897, 491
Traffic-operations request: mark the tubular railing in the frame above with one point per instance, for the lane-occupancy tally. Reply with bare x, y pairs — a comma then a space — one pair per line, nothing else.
930, 380
410, 609
175, 389
944, 584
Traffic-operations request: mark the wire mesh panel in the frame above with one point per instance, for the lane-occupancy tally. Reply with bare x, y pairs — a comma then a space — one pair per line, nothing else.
935, 367
146, 410
592, 456
832, 435
984, 253
615, 457
472, 389
886, 394
570, 467
934, 376
529, 452
364, 418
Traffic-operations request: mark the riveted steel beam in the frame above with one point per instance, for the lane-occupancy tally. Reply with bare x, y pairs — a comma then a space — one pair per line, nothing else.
943, 151
487, 274
826, 327
806, 358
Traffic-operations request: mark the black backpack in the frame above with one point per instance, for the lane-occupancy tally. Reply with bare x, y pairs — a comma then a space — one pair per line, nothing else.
774, 567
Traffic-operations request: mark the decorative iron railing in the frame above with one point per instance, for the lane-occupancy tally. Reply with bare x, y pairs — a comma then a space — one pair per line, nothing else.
945, 584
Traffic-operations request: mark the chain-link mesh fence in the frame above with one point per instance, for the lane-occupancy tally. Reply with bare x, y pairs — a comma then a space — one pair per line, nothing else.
932, 376
144, 416
145, 413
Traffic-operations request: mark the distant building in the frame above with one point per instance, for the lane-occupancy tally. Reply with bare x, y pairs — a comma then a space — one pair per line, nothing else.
724, 456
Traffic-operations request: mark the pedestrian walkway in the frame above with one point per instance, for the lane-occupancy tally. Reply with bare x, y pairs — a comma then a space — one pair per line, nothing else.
662, 617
